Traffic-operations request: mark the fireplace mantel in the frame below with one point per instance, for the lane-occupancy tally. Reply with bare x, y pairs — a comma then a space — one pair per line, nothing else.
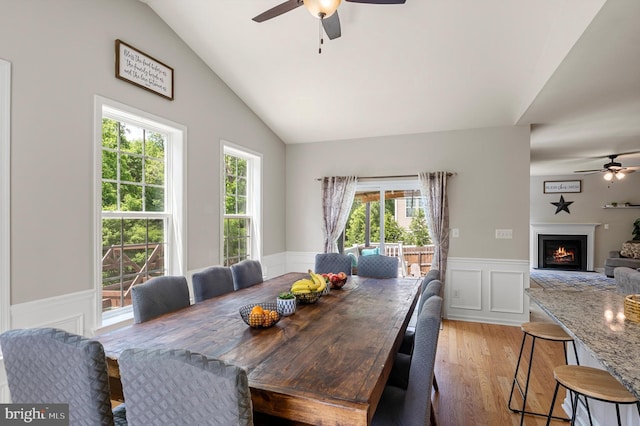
588, 229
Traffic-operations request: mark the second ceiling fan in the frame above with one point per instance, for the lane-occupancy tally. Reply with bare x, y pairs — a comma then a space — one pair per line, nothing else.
325, 10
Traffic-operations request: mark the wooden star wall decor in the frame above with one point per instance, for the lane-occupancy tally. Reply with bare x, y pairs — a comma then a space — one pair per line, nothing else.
562, 205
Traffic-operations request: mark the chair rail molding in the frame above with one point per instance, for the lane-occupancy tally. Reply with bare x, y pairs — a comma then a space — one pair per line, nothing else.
5, 188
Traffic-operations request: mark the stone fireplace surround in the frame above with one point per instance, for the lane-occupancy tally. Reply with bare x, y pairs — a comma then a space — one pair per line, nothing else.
588, 229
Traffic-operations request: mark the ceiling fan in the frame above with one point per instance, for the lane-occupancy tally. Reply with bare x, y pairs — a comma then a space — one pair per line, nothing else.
613, 168
325, 10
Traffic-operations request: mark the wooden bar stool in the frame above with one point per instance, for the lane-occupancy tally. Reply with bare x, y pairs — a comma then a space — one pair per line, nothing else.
545, 331
591, 383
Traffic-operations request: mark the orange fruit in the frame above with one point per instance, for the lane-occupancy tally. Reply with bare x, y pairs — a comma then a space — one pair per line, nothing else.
257, 310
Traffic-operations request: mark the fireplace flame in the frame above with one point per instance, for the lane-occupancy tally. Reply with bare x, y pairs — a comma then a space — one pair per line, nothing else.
563, 254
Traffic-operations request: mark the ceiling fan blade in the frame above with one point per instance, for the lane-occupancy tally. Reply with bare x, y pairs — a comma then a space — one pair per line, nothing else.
331, 26
590, 171
278, 10
378, 1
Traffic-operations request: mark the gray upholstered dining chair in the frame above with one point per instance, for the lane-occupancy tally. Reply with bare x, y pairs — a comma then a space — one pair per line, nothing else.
211, 282
332, 262
378, 266
432, 275
179, 387
412, 407
158, 296
399, 375
246, 273
52, 366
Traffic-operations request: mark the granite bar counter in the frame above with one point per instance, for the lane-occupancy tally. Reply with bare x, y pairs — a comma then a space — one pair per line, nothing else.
595, 319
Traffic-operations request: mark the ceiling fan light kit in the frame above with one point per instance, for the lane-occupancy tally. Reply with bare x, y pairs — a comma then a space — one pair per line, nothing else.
321, 8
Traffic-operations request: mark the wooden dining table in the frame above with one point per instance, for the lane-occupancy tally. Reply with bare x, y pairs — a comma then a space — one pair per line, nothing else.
327, 364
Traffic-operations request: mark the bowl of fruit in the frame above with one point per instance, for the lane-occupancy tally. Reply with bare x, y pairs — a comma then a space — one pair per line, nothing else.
336, 281
260, 315
309, 289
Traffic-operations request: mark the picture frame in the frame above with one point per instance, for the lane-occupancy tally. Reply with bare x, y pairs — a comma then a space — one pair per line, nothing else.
562, 186
142, 70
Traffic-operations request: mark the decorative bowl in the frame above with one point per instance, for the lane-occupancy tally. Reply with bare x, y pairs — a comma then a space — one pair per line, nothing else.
307, 298
338, 284
268, 318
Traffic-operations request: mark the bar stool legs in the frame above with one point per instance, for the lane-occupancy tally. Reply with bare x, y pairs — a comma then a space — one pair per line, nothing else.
591, 383
545, 331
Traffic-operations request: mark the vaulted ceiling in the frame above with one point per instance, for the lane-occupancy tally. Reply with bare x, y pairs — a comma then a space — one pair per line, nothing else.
569, 68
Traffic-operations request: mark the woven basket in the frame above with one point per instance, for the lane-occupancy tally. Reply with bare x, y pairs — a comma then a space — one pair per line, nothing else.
632, 307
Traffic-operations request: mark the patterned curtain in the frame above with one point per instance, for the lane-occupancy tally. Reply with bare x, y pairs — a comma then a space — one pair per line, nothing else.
337, 198
433, 187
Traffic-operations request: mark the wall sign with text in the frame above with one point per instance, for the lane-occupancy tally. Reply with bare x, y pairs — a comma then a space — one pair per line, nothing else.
556, 186
140, 69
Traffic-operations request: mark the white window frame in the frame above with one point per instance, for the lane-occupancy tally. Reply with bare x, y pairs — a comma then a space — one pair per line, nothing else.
175, 202
254, 195
5, 198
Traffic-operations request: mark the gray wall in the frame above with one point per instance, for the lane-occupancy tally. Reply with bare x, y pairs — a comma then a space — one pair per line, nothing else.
62, 54
489, 192
587, 208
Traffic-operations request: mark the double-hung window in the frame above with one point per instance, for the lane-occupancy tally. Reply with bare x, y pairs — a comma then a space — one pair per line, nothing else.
139, 173
241, 205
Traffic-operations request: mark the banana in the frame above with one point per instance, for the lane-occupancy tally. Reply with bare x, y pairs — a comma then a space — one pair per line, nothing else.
303, 284
318, 279
323, 286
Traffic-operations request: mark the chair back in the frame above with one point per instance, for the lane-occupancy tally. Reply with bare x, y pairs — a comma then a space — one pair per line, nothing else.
417, 402
246, 273
52, 366
332, 262
433, 274
211, 282
179, 387
158, 296
378, 266
432, 289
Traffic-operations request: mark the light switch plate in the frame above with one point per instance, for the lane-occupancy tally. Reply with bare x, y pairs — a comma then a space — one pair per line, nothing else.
504, 234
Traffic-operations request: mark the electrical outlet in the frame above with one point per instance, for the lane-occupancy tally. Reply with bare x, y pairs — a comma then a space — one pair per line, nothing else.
456, 294
504, 234
455, 233
606, 226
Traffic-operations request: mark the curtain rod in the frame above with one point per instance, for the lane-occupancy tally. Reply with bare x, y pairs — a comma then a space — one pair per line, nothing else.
393, 176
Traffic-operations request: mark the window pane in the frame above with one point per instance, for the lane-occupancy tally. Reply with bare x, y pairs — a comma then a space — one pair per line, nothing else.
154, 199
154, 172
241, 205
109, 196
236, 239
132, 140
133, 251
131, 168
155, 145
110, 129
130, 198
109, 165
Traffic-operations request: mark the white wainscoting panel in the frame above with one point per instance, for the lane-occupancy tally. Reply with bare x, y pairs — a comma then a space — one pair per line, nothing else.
300, 261
465, 289
274, 265
503, 293
487, 290
72, 312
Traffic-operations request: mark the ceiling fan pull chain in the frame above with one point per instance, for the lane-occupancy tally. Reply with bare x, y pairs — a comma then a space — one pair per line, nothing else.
320, 35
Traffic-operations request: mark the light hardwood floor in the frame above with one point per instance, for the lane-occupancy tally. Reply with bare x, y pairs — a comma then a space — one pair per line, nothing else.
474, 368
